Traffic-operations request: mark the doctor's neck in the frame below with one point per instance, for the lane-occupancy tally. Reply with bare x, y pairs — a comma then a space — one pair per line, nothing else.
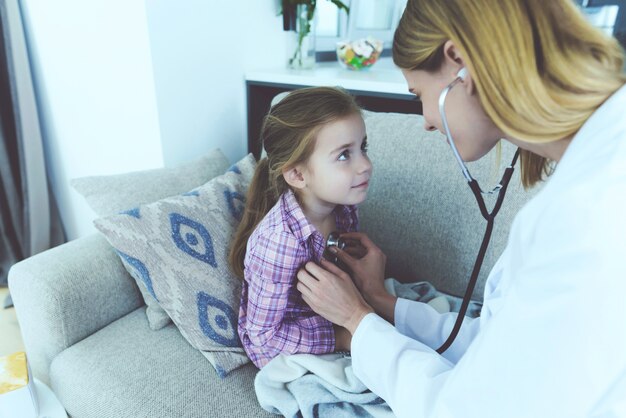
551, 150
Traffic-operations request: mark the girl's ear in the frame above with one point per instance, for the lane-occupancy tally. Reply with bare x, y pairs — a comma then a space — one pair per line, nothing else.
294, 177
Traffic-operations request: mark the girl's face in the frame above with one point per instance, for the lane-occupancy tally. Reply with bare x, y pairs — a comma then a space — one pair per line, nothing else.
472, 131
338, 170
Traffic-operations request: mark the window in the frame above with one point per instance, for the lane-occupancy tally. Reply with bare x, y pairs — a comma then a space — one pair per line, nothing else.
379, 18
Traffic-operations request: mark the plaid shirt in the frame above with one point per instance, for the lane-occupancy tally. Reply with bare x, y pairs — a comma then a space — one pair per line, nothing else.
273, 318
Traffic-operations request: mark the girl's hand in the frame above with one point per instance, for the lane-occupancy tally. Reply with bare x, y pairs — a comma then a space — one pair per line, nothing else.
330, 292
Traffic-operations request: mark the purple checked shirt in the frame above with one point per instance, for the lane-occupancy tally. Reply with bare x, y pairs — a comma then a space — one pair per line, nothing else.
273, 318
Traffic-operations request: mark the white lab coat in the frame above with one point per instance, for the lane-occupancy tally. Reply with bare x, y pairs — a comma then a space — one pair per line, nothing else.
551, 339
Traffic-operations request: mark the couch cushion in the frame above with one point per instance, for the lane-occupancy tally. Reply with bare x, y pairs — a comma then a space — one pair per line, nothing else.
420, 210
108, 195
128, 370
178, 247
111, 194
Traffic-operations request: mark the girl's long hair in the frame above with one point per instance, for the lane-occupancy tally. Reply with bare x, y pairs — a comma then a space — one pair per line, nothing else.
288, 136
540, 68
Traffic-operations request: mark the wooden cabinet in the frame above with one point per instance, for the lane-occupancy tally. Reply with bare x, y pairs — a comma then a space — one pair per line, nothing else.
381, 88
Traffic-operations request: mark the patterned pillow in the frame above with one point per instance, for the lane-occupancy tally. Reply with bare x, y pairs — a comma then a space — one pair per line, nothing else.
178, 247
108, 195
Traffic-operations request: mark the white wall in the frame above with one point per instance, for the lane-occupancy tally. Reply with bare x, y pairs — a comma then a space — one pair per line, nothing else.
93, 70
136, 84
200, 52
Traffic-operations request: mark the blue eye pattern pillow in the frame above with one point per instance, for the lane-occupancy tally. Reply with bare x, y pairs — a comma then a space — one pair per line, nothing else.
178, 248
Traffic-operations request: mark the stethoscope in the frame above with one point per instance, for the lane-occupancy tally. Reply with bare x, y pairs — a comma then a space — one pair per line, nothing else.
500, 190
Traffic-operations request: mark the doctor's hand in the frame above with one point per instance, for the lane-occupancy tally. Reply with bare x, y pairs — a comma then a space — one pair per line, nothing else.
330, 292
368, 273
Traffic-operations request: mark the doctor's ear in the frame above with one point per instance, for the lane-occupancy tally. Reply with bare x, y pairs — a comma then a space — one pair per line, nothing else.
468, 82
453, 60
294, 177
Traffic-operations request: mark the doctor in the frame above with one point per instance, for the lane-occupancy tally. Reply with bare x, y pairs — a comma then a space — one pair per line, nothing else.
551, 339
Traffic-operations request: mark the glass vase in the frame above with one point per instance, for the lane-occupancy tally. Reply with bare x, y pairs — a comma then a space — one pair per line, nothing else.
303, 56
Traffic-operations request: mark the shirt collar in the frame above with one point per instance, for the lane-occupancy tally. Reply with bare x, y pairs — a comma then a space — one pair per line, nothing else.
294, 216
345, 216
600, 126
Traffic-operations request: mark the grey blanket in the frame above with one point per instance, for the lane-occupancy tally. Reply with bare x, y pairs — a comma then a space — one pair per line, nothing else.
308, 385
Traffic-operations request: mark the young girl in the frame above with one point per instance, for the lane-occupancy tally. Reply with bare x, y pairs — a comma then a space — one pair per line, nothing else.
315, 172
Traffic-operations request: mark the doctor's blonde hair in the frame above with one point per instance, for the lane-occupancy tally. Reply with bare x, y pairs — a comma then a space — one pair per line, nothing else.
539, 67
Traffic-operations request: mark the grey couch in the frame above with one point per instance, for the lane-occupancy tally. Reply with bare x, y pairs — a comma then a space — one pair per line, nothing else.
83, 320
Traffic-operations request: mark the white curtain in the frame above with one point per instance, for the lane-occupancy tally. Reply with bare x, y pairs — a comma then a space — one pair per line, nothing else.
29, 222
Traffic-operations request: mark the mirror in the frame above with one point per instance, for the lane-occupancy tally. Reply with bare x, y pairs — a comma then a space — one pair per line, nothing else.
328, 19
603, 17
373, 14
377, 18
607, 15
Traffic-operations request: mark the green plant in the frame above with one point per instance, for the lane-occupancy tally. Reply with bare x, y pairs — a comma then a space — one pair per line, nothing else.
311, 7
290, 6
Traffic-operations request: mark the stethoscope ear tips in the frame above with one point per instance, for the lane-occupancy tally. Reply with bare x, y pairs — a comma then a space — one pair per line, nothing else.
462, 74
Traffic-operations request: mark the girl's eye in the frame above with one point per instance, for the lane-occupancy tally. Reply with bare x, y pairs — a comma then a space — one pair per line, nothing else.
344, 155
364, 147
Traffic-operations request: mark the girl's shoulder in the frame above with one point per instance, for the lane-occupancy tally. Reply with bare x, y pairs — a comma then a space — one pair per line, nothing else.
273, 247
274, 221
274, 229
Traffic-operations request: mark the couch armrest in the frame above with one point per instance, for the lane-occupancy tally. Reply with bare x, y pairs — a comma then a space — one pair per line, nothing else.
67, 293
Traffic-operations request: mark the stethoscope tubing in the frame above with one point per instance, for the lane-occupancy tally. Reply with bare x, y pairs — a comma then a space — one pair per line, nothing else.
490, 217
444, 119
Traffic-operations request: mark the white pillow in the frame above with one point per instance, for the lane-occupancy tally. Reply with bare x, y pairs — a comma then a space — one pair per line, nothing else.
178, 247
108, 195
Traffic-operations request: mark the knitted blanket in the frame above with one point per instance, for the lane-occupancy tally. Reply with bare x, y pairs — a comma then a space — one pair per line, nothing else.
308, 385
